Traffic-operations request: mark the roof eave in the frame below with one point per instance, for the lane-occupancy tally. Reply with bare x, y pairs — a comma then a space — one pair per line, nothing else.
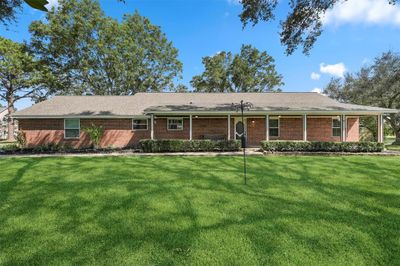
259, 112
294, 112
78, 116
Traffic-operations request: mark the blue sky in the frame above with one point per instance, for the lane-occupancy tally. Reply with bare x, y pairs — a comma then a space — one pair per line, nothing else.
354, 33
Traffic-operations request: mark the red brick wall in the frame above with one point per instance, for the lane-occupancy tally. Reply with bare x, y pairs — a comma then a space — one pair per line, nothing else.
320, 129
117, 132
353, 129
290, 129
161, 132
210, 126
255, 131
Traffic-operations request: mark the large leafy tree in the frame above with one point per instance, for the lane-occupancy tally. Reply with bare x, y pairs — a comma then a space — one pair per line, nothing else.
249, 71
302, 25
9, 8
89, 53
376, 85
216, 76
19, 76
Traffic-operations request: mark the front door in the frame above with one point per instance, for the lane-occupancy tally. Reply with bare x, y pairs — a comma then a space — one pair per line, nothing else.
240, 129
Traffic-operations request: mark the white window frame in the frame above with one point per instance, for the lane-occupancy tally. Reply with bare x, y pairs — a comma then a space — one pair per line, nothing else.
340, 126
79, 128
174, 118
279, 127
147, 124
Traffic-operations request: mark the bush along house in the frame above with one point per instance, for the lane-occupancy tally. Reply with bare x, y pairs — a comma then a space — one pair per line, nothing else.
192, 116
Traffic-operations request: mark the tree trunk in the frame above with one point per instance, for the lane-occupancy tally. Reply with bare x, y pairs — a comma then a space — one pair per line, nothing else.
397, 136
10, 120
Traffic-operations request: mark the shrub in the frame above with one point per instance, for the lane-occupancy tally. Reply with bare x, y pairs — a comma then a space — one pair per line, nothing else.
317, 146
9, 148
51, 147
177, 145
396, 142
21, 139
95, 134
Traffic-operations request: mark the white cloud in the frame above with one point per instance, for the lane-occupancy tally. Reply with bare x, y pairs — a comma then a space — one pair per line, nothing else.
317, 90
52, 3
233, 2
364, 12
315, 76
334, 70
365, 61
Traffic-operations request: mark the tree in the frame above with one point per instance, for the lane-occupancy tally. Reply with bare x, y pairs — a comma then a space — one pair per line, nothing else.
181, 88
376, 85
89, 53
8, 8
19, 75
303, 24
216, 76
249, 71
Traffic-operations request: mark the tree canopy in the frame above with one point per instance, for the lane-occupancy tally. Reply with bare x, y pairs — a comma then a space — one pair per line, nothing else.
249, 71
9, 8
302, 25
375, 85
19, 75
90, 53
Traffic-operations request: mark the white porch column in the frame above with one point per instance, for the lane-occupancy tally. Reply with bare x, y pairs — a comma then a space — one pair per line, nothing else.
152, 126
344, 125
304, 127
190, 127
267, 127
229, 127
380, 129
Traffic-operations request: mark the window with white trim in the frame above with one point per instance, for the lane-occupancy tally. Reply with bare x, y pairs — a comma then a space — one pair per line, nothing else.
336, 127
140, 124
72, 128
175, 124
274, 127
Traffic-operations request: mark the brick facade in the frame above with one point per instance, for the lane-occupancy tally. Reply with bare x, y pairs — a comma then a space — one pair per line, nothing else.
353, 129
119, 133
255, 131
320, 129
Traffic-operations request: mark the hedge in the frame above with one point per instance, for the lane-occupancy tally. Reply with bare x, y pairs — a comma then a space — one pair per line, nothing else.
302, 146
51, 148
177, 145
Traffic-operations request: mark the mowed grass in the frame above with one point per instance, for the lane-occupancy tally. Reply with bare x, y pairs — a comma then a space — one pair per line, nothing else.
196, 210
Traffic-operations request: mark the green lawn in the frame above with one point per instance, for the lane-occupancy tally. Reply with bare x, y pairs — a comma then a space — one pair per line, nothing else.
196, 210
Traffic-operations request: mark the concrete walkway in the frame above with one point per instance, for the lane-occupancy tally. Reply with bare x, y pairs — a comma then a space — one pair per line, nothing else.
250, 152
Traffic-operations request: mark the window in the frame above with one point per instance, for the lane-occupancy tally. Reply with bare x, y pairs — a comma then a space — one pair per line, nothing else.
274, 127
175, 124
72, 128
336, 127
140, 124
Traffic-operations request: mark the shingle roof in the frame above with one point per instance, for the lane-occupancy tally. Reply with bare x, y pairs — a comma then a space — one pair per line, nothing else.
146, 103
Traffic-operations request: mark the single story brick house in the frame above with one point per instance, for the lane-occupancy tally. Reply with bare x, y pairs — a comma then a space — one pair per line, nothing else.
128, 119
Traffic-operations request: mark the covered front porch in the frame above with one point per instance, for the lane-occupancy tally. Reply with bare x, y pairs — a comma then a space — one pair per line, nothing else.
260, 127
